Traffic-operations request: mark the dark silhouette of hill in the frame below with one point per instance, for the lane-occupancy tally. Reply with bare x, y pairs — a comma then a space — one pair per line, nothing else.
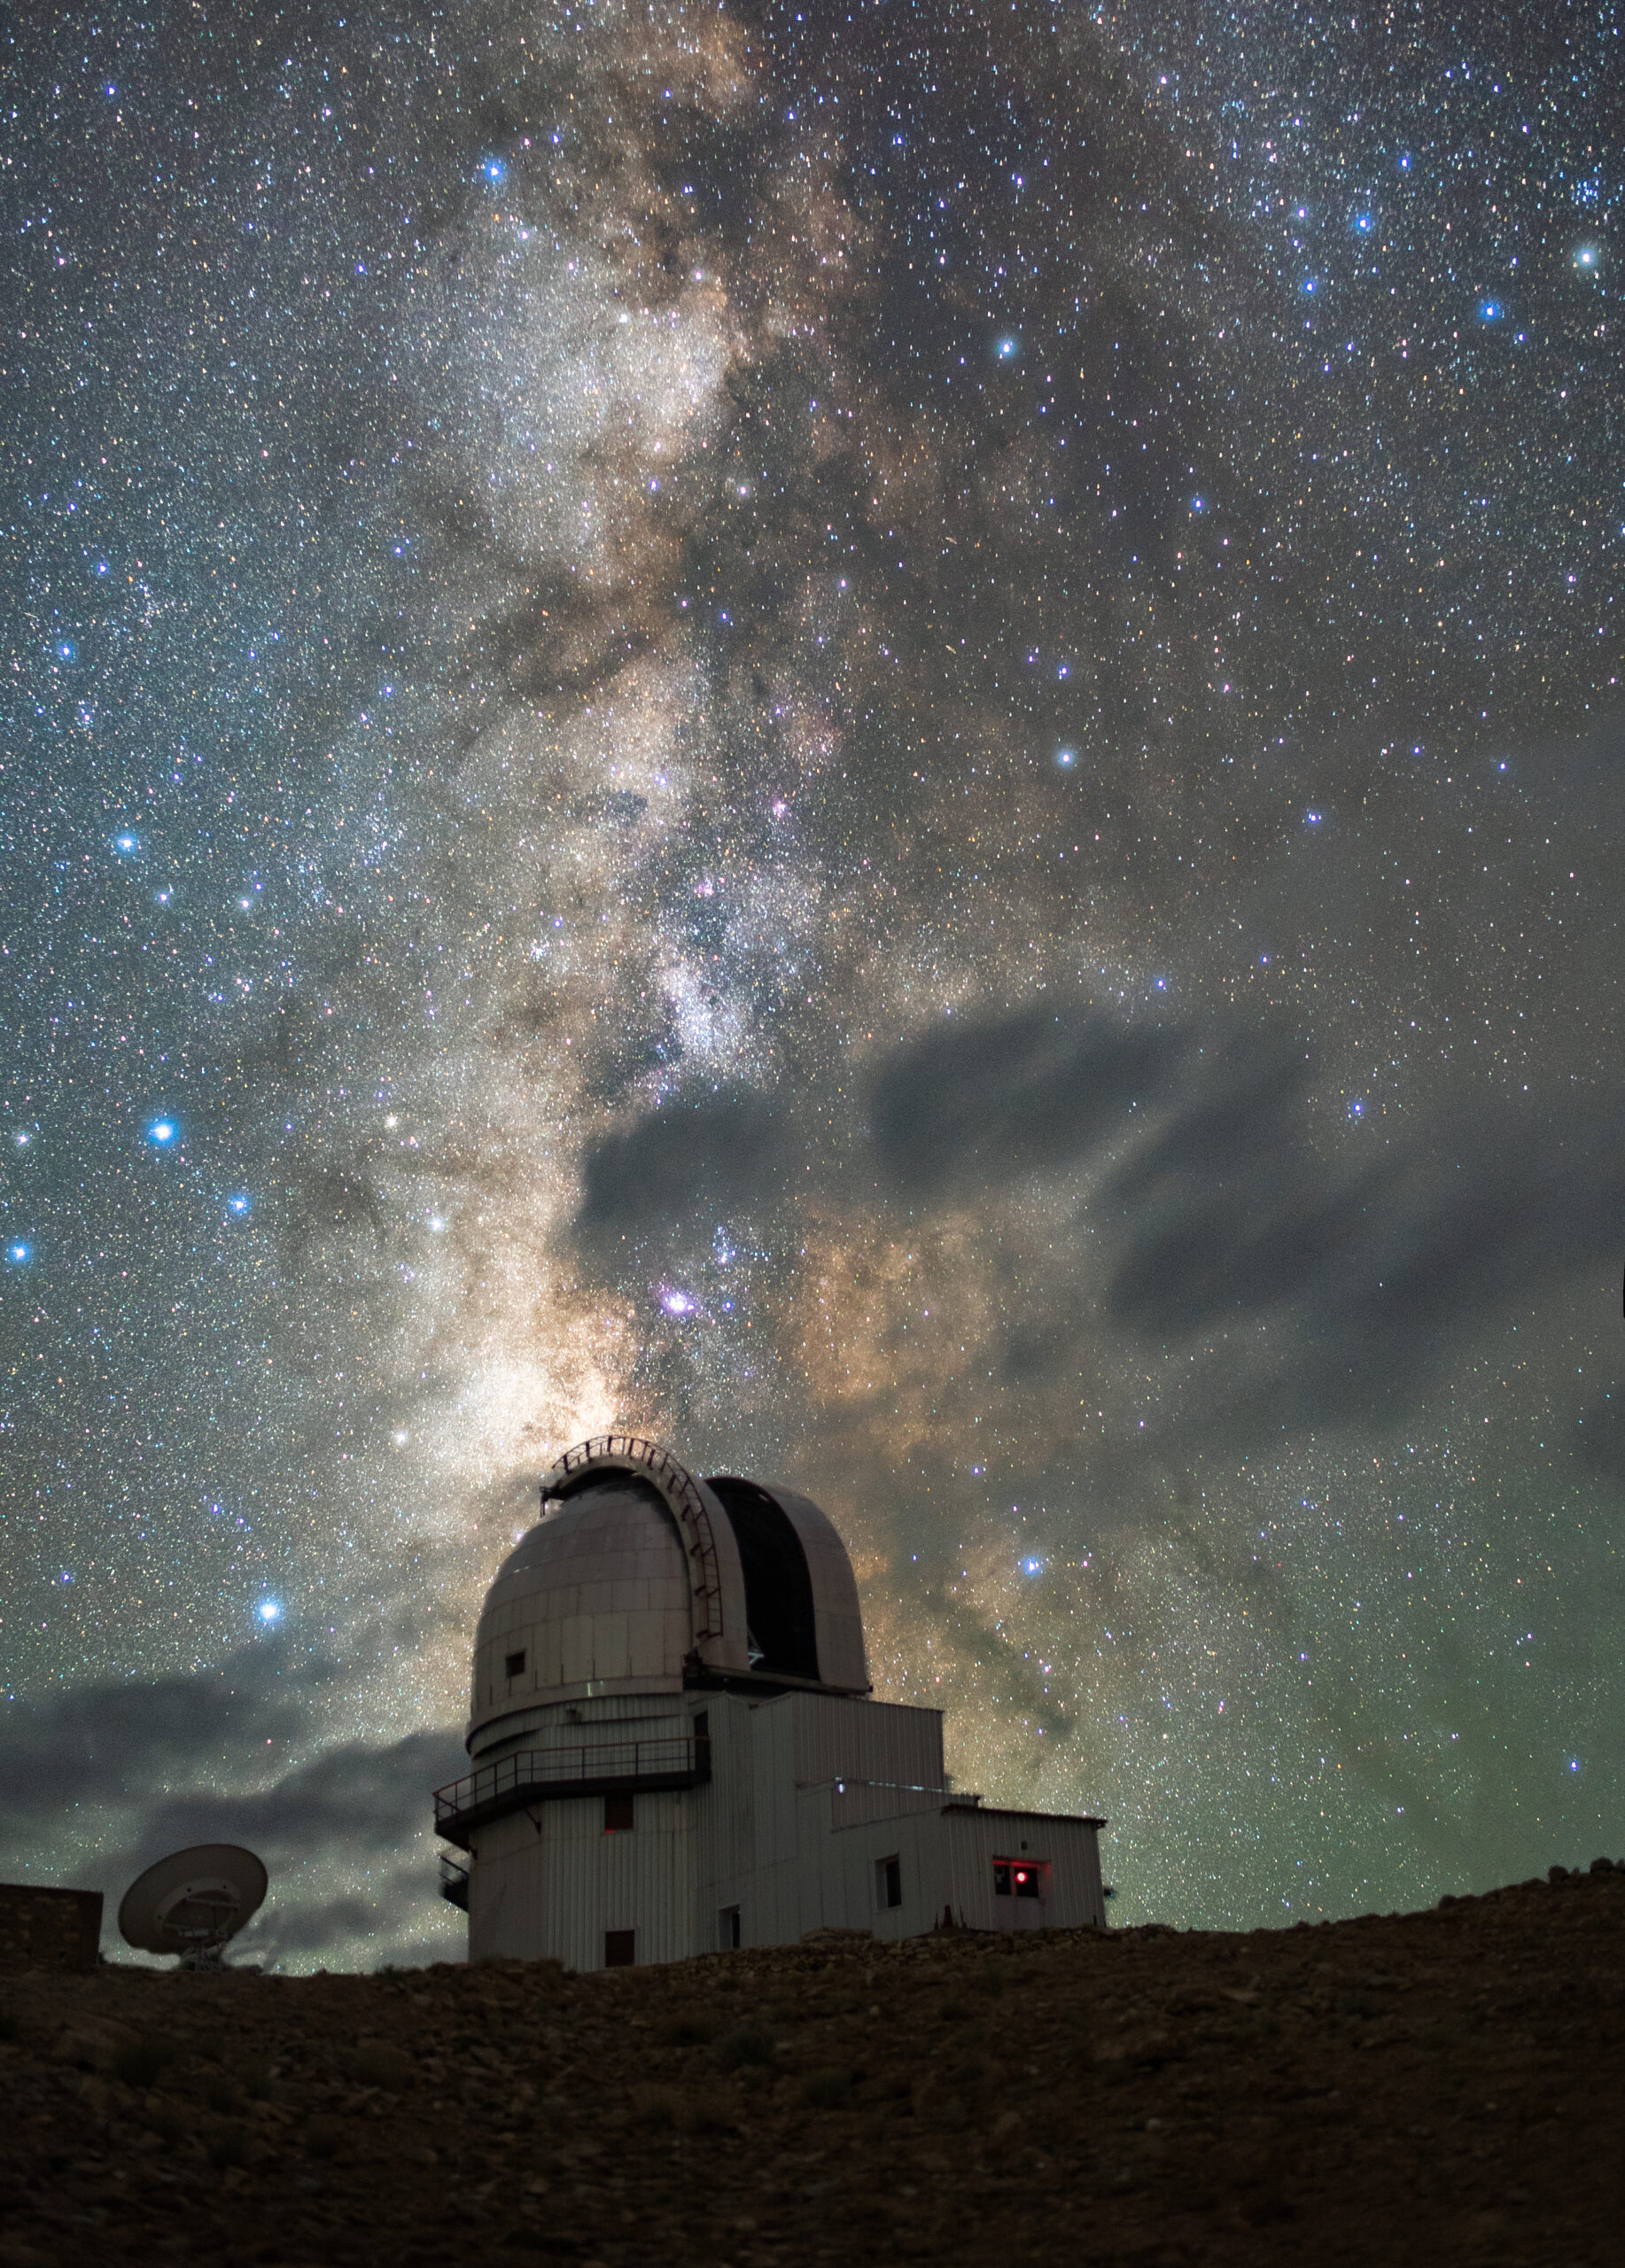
1435, 2087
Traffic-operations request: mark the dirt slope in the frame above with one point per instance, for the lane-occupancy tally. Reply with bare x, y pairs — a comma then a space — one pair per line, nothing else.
1444, 2086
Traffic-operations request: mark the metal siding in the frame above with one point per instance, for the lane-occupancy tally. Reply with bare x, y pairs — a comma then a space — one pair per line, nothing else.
726, 1861
812, 1907
852, 1802
553, 1895
840, 1739
792, 1856
773, 1779
557, 1594
661, 1712
1068, 1846
852, 1898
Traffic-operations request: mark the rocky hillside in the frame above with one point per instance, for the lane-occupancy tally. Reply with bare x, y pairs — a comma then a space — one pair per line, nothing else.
1442, 2086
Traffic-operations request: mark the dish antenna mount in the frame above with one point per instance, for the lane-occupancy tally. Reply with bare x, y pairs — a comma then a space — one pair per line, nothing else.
193, 1902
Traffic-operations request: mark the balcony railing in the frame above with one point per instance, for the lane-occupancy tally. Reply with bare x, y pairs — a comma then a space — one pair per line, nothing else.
454, 1882
591, 1768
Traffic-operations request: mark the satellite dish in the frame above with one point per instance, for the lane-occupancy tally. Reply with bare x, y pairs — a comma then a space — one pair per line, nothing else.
191, 1902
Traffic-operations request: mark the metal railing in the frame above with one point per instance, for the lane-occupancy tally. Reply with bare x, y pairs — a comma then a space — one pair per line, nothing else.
454, 1882
592, 1767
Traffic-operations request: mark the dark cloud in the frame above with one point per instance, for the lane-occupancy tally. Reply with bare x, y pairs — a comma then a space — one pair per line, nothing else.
326, 1925
1601, 1437
1228, 1111
1241, 1206
329, 1198
1372, 1276
723, 1150
114, 1742
979, 1100
153, 1768
352, 1803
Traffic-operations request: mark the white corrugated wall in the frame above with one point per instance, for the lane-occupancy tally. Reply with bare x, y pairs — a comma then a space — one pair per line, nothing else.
548, 1883
863, 1740
792, 1856
1069, 1847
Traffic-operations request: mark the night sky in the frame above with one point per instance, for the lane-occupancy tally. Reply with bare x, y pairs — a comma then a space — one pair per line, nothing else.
887, 740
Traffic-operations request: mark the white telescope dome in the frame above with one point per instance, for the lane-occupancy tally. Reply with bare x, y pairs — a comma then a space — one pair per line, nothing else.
640, 1578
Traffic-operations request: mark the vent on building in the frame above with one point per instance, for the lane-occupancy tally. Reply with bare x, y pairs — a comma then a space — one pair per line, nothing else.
727, 1930
515, 1665
619, 1949
618, 1818
888, 1881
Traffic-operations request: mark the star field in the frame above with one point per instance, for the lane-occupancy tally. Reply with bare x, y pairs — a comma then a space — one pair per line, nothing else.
885, 739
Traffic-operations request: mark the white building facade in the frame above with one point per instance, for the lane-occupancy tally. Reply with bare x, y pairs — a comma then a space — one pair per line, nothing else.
673, 1750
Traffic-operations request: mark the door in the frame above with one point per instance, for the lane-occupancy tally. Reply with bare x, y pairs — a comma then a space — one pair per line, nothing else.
1021, 1893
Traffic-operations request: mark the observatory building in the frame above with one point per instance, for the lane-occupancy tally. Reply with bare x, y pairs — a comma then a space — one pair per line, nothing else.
673, 1750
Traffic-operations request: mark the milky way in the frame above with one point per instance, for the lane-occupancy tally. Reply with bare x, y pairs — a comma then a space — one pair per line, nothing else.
887, 742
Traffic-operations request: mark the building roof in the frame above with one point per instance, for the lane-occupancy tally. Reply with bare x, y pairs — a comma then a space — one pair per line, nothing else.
640, 1578
1038, 1818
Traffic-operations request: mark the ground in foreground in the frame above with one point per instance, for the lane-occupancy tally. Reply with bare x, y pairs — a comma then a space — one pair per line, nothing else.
1443, 2087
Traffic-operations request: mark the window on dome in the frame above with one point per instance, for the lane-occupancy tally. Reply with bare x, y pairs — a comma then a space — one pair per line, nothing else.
515, 1665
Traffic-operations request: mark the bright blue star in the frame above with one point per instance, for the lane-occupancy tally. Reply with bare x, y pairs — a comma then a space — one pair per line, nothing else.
19, 1256
1357, 1109
1032, 1566
1586, 257
67, 651
494, 170
1009, 349
126, 845
1364, 223
162, 1132
269, 1611
1311, 819
1490, 311
239, 1205
1065, 757
677, 1303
